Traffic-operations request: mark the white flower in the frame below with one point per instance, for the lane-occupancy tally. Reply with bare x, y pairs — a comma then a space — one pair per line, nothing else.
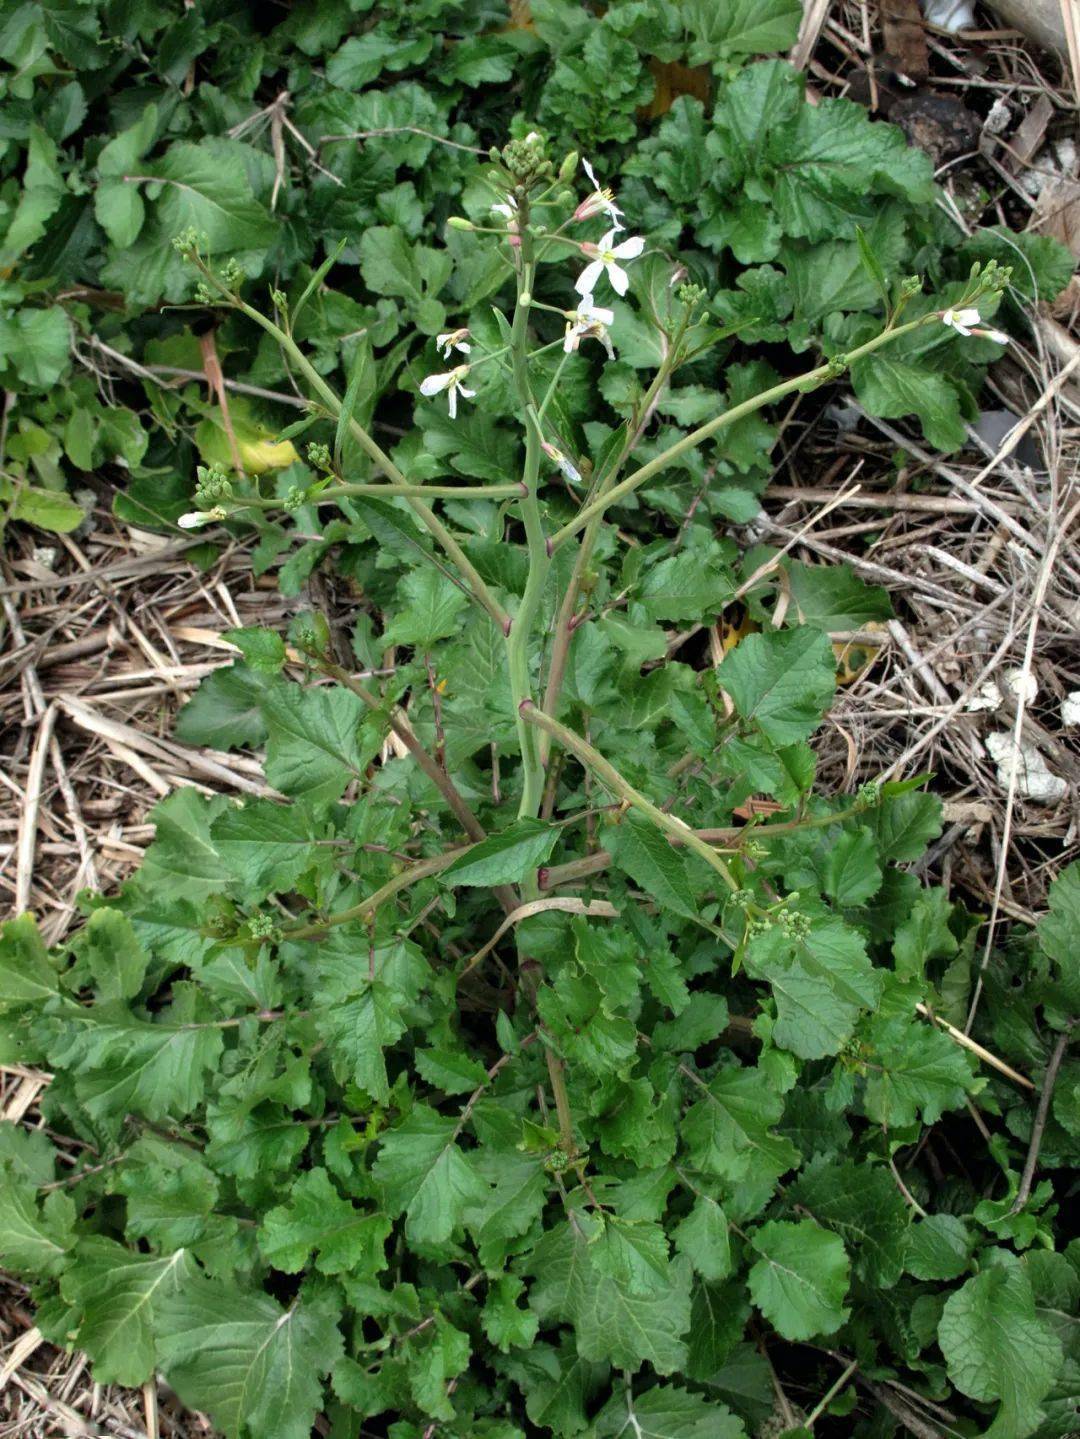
587, 322
569, 469
606, 254
964, 322
195, 519
453, 340
600, 202
960, 320
506, 208
452, 382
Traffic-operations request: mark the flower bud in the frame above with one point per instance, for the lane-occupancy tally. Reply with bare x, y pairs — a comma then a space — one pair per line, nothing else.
459, 222
568, 167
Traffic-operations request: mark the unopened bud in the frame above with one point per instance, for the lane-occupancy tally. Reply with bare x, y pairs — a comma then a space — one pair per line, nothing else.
568, 167
459, 222
525, 299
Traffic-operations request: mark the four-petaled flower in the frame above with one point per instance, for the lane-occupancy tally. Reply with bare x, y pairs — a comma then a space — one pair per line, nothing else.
195, 519
965, 322
453, 340
600, 202
588, 322
452, 382
569, 469
606, 255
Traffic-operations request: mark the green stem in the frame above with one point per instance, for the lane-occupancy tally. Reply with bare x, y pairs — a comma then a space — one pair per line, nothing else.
518, 643
374, 451
830, 1394
610, 777
435, 492
704, 432
365, 910
564, 624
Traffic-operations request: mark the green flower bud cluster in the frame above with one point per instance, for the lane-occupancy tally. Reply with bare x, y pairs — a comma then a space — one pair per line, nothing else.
233, 274
212, 487
264, 926
910, 286
793, 922
296, 496
524, 160
741, 898
186, 243
319, 455
691, 295
868, 796
990, 278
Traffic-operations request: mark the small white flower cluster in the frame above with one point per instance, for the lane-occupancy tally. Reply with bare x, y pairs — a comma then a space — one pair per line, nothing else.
587, 321
966, 322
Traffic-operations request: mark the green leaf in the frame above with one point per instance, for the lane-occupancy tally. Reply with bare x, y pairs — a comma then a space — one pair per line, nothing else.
1041, 266
251, 1365
820, 982
505, 1323
687, 586
939, 1247
703, 1237
34, 1239
358, 1016
225, 712
118, 203
313, 748
916, 1069
125, 1065
904, 825
206, 187
728, 1129
119, 1297
47, 509
996, 1348
263, 846
428, 608
183, 861
35, 346
740, 27
666, 1411
26, 976
424, 1173
831, 597
414, 273
861, 1203
42, 191
557, 1383
116, 959
450, 1070
506, 857
782, 681
801, 1279
851, 872
892, 388
316, 1219
638, 848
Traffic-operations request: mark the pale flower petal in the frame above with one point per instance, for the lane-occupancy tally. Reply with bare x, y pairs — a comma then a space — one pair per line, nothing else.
586, 281
629, 249
435, 384
620, 280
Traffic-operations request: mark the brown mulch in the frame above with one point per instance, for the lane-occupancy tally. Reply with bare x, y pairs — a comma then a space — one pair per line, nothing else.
103, 635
